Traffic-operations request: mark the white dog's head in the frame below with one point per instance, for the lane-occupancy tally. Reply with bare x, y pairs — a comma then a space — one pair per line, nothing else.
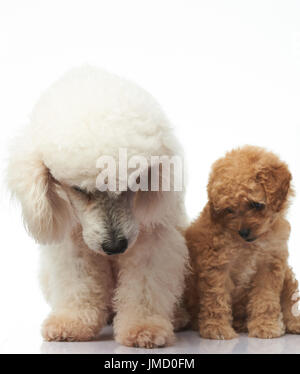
53, 167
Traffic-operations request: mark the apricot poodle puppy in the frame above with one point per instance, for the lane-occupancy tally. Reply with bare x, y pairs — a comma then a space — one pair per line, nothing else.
241, 280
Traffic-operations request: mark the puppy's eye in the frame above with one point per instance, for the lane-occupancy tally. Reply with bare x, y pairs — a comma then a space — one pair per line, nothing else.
256, 205
229, 211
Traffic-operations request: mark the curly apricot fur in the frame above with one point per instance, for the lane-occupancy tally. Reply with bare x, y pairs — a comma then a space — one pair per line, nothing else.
240, 285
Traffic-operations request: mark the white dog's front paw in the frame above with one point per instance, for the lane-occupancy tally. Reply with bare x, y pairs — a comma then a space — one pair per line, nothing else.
58, 327
147, 335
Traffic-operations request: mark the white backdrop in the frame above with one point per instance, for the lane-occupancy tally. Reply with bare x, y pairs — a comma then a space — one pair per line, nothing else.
226, 72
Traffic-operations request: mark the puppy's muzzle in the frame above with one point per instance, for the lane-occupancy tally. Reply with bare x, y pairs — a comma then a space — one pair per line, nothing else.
115, 247
245, 234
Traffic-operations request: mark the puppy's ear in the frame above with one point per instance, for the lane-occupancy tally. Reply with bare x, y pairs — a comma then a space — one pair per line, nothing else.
275, 180
45, 211
213, 212
213, 193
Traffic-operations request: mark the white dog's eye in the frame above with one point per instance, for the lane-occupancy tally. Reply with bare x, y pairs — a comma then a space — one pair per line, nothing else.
78, 189
82, 191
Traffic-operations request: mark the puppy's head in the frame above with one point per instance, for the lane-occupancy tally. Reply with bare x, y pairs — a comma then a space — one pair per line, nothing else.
248, 190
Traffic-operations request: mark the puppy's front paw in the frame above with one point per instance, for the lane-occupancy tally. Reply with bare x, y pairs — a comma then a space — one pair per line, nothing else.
220, 331
66, 328
147, 335
265, 329
293, 326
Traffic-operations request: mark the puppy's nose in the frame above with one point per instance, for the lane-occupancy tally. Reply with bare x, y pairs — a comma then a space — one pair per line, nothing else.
244, 233
115, 247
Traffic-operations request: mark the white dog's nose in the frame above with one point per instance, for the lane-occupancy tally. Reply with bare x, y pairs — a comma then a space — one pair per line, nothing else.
115, 247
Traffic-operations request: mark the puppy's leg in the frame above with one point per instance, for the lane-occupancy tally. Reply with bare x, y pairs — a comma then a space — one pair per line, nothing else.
77, 284
215, 313
240, 313
151, 280
191, 298
264, 309
289, 303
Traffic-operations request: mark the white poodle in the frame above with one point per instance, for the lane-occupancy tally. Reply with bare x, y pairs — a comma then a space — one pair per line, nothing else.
103, 254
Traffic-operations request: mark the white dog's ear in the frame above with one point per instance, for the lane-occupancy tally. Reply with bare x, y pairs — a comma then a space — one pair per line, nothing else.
158, 206
45, 210
152, 208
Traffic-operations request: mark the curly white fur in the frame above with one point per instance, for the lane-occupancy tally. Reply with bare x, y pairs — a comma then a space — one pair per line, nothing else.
86, 114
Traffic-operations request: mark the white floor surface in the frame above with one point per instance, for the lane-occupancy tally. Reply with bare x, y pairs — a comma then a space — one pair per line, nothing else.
27, 339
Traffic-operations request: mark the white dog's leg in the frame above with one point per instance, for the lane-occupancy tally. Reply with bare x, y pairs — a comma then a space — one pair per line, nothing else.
77, 284
151, 279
